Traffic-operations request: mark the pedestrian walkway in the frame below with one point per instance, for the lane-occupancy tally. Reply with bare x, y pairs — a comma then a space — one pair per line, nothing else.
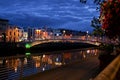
80, 70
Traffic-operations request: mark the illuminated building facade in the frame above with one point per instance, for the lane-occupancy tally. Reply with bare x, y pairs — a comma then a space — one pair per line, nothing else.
14, 34
41, 34
25, 36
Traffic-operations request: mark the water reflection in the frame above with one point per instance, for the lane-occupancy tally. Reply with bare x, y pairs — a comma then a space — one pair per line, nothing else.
23, 66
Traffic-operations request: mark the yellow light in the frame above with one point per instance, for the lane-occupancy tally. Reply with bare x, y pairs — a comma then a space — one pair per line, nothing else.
88, 51
37, 30
58, 63
43, 56
16, 28
15, 69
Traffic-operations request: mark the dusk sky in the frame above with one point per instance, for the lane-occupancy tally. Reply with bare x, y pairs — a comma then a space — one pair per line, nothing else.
69, 14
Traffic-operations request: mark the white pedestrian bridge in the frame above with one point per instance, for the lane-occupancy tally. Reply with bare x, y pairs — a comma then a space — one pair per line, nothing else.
37, 42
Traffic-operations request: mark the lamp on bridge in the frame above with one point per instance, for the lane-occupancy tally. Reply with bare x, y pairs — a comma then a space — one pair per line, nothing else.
87, 35
63, 33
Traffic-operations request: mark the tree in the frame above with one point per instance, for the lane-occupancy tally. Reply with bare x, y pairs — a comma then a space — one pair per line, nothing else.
110, 18
95, 23
95, 1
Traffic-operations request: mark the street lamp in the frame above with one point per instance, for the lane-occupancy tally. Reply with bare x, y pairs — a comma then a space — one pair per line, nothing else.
87, 35
63, 33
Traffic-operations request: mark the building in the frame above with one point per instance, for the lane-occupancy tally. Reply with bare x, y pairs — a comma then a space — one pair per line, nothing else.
25, 36
38, 34
14, 34
3, 26
31, 33
41, 34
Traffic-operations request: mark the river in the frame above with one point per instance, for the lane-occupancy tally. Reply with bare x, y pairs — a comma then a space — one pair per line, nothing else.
15, 67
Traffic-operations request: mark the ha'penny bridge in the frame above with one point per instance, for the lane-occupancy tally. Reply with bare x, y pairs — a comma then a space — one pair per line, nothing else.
90, 40
64, 40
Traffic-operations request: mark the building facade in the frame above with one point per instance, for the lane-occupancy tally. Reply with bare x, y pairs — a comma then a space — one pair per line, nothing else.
31, 34
41, 34
14, 34
25, 36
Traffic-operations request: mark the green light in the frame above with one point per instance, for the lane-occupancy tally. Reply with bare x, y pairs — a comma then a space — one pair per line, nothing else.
27, 45
27, 54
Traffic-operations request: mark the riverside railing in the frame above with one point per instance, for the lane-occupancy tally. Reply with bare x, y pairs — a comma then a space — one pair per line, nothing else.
110, 72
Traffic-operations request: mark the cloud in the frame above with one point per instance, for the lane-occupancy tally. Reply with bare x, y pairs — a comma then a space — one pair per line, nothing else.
80, 26
53, 13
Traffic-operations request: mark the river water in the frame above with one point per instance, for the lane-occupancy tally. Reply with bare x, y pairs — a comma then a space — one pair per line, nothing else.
15, 67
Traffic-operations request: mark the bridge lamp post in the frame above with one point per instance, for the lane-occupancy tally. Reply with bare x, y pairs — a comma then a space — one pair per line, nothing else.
63, 33
87, 35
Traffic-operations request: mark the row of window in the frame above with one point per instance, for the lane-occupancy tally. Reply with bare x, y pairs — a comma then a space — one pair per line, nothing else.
10, 33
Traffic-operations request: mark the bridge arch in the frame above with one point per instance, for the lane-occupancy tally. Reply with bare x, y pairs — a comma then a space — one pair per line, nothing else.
61, 40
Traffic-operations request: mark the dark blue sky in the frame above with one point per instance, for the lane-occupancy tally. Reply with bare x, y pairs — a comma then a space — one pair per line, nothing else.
70, 14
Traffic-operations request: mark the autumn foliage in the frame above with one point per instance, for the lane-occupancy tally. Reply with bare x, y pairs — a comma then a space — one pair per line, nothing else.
110, 17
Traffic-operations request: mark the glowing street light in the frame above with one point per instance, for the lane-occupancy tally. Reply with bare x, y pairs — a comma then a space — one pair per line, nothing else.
87, 35
63, 33
87, 32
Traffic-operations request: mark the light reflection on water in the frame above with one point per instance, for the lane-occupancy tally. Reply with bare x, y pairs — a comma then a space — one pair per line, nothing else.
16, 67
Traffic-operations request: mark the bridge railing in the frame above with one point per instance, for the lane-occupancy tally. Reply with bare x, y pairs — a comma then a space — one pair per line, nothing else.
110, 72
90, 41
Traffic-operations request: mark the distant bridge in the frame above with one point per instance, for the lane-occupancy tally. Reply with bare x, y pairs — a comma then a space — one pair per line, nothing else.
64, 40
